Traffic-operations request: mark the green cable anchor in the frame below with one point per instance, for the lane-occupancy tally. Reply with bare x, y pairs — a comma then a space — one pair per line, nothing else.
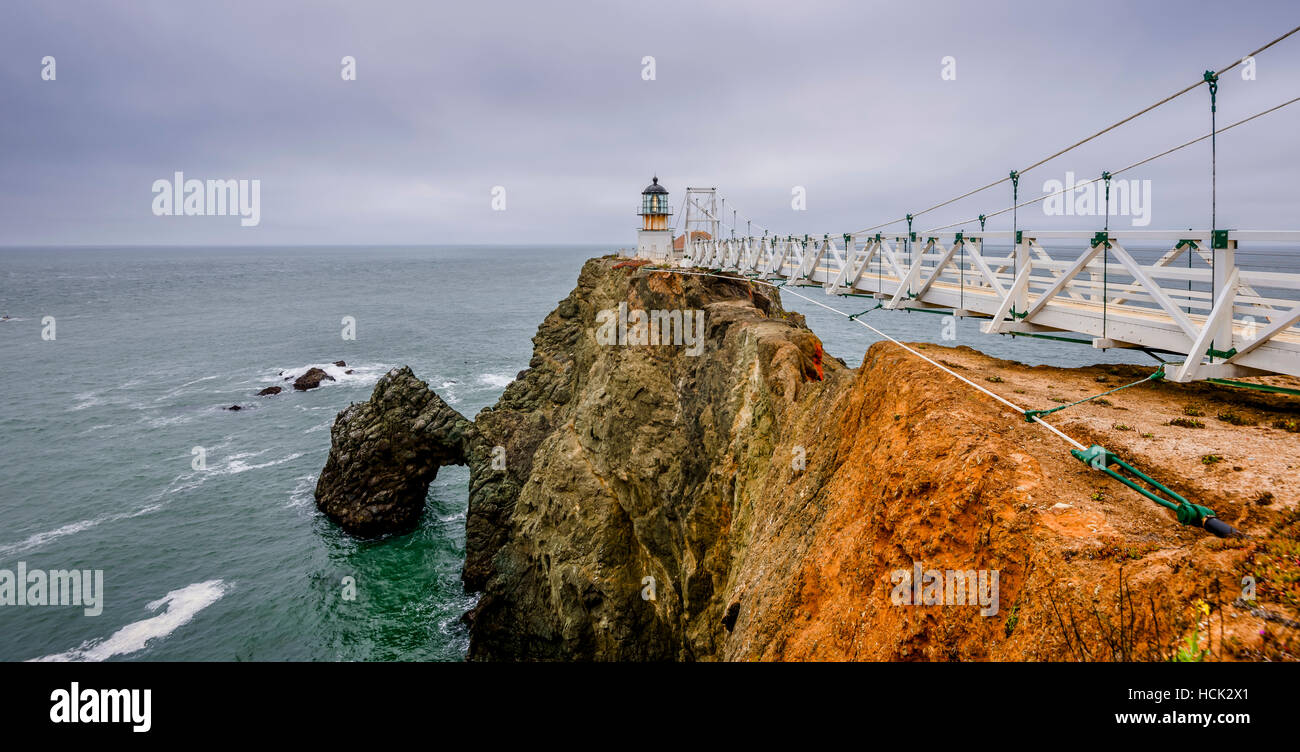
1030, 415
1099, 458
869, 310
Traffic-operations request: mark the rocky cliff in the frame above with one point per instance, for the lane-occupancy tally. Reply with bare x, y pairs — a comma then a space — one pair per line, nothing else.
744, 496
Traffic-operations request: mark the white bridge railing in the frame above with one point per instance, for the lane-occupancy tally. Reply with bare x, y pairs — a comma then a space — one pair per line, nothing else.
1225, 320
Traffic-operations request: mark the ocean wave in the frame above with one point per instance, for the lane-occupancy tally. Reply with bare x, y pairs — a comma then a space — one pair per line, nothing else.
179, 390
236, 464
495, 380
362, 374
233, 465
182, 605
39, 539
304, 492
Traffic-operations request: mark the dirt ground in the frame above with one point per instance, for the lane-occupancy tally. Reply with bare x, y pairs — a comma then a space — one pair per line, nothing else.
1231, 449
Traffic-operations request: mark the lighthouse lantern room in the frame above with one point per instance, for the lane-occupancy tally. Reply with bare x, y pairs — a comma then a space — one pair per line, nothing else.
655, 238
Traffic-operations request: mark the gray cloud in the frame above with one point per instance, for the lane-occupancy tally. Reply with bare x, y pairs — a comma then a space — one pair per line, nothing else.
547, 100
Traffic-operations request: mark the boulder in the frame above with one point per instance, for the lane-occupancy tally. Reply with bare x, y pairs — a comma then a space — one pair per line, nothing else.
311, 379
269, 391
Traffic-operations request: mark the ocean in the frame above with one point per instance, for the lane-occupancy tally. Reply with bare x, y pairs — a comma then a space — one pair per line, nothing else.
101, 428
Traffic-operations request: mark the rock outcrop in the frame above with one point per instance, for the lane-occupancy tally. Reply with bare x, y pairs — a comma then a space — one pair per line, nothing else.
269, 391
385, 452
311, 379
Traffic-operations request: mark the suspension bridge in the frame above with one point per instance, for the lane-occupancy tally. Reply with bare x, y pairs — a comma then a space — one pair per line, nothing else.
1192, 301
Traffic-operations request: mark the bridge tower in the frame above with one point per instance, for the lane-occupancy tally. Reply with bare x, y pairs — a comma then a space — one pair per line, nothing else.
702, 219
655, 238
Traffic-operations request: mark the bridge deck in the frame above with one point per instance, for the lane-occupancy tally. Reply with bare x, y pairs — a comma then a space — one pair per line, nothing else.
1220, 322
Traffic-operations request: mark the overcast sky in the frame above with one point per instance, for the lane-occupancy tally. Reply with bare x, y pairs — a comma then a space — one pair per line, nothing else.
548, 101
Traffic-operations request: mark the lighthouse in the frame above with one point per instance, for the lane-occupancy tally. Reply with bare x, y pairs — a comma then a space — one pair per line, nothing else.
655, 238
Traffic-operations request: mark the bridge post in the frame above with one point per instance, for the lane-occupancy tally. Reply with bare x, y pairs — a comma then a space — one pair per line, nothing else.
1225, 273
1022, 262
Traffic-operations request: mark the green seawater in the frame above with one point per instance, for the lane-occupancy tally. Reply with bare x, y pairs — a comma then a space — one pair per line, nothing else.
98, 428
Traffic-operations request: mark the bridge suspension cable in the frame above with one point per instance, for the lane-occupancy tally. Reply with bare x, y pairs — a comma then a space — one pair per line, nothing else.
1113, 173
1081, 142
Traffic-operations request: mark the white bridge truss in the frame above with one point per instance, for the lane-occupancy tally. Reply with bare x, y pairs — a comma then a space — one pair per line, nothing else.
1222, 320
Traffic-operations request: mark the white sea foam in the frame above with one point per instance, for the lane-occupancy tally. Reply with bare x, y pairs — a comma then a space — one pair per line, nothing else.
495, 380
362, 374
179, 484
37, 540
304, 492
235, 466
168, 421
181, 605
178, 390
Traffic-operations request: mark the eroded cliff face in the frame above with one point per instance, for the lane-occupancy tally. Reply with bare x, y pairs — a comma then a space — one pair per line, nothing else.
631, 462
758, 500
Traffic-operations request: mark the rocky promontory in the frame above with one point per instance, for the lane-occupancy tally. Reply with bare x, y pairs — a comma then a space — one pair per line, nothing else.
742, 495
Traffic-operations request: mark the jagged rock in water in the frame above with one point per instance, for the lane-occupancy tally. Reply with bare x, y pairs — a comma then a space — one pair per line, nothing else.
384, 453
270, 390
311, 379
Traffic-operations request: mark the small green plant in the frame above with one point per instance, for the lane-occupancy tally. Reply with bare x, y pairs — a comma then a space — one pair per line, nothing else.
1098, 496
1287, 424
1147, 435
1122, 427
1013, 619
1236, 419
1210, 459
1193, 411
1062, 400
1103, 402
1187, 423
1018, 391
1191, 651
995, 379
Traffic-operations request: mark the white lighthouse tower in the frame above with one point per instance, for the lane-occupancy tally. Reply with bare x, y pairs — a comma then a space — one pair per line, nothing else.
655, 238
